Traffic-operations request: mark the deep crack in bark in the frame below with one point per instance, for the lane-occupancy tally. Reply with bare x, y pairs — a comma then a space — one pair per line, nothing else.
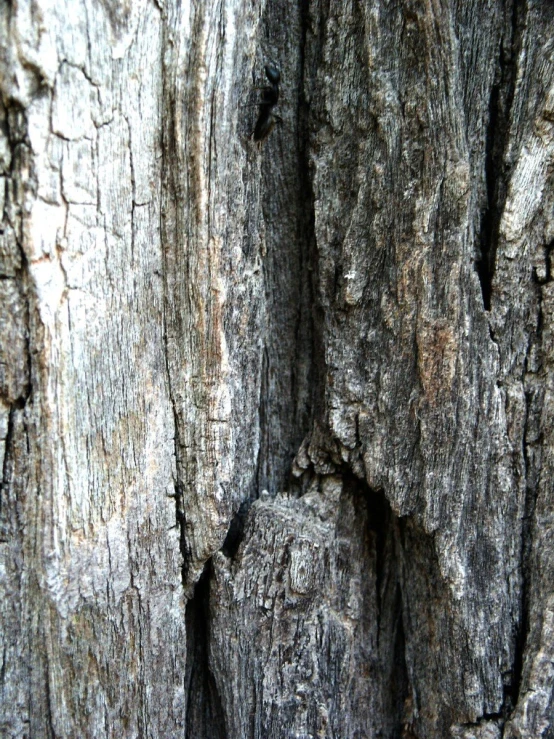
496, 167
205, 716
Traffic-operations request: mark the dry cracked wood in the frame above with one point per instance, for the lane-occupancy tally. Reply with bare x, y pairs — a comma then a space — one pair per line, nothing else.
276, 422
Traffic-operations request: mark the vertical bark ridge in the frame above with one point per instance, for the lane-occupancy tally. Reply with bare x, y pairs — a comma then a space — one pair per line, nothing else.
311, 601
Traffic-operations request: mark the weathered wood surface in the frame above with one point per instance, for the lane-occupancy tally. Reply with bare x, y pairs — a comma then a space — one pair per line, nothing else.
186, 319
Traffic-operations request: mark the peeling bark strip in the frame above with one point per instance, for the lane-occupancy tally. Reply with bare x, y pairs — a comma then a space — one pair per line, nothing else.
276, 426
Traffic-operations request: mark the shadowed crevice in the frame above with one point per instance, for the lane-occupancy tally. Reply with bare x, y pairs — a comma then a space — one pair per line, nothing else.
496, 167
384, 535
235, 533
490, 216
289, 382
204, 713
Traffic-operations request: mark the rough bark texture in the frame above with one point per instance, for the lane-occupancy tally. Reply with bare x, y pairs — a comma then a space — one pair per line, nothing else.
277, 422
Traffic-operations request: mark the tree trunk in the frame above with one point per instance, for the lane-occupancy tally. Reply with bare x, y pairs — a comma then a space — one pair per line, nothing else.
277, 420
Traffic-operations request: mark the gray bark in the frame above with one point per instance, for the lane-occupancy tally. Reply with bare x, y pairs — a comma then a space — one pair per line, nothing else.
277, 421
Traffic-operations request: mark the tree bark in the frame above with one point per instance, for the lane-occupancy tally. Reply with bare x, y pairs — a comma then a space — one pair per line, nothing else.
277, 421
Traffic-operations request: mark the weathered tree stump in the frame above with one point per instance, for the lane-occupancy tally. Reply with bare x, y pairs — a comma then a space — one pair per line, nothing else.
277, 420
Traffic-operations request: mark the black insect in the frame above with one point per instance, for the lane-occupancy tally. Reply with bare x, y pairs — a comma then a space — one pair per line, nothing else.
270, 97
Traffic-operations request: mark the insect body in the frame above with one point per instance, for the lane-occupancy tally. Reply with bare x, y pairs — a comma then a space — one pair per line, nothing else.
270, 97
